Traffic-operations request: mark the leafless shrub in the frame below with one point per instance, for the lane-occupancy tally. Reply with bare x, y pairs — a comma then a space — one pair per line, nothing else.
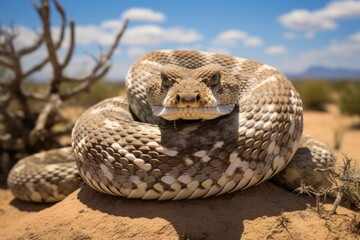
345, 186
24, 128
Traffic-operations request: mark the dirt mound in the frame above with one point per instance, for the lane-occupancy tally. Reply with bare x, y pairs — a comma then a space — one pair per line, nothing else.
262, 212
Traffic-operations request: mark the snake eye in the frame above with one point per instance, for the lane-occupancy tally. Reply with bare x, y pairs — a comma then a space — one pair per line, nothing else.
165, 82
214, 80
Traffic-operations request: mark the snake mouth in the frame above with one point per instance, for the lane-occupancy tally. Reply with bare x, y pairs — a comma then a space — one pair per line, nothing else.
192, 113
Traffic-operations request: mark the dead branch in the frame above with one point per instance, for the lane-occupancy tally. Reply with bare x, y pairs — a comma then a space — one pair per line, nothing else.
31, 49
34, 125
36, 68
50, 108
98, 71
70, 52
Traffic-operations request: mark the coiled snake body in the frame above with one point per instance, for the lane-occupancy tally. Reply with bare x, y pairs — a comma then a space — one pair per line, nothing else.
200, 124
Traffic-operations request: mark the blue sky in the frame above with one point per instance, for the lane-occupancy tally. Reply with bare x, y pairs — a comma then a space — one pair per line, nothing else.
292, 35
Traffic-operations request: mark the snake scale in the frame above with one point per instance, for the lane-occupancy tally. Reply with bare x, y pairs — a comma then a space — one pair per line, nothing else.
194, 124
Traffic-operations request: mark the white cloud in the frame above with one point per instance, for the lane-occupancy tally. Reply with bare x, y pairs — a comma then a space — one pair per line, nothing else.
80, 66
253, 41
343, 49
290, 35
25, 36
153, 35
310, 35
197, 47
143, 14
276, 50
117, 52
232, 37
89, 34
322, 19
135, 52
113, 24
304, 20
118, 70
337, 54
355, 37
103, 34
34, 58
201, 47
141, 35
134, 14
220, 50
146, 35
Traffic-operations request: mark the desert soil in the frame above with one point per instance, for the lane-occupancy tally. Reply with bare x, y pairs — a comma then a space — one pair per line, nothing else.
265, 211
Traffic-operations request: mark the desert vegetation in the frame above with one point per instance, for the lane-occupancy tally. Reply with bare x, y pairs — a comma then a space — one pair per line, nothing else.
29, 111
39, 115
315, 94
349, 102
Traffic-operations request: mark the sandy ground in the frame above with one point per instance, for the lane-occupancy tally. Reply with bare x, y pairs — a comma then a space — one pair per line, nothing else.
262, 212
324, 125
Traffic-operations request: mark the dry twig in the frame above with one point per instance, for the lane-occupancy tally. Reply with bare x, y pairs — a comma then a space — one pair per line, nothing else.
345, 185
28, 129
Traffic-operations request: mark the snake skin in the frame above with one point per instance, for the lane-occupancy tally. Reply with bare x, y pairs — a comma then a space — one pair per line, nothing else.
45, 177
136, 154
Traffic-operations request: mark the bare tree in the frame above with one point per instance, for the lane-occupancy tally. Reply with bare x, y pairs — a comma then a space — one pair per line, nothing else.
25, 129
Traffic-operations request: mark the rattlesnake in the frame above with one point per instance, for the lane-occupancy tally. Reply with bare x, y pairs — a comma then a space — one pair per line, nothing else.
200, 124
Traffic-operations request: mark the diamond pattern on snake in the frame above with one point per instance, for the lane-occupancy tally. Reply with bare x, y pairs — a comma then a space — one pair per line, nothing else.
194, 125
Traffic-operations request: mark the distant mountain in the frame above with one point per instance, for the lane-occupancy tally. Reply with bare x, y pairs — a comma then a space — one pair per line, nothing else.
327, 73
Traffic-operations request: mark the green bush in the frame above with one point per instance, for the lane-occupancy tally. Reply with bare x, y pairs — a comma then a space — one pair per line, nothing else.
98, 92
315, 94
350, 99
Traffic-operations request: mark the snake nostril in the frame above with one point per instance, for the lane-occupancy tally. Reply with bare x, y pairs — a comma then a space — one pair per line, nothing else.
197, 98
177, 98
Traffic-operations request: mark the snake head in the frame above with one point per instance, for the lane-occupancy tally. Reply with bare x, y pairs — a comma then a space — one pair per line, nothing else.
192, 94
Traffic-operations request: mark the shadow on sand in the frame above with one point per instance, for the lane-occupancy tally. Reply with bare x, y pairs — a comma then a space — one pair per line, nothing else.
29, 206
212, 218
